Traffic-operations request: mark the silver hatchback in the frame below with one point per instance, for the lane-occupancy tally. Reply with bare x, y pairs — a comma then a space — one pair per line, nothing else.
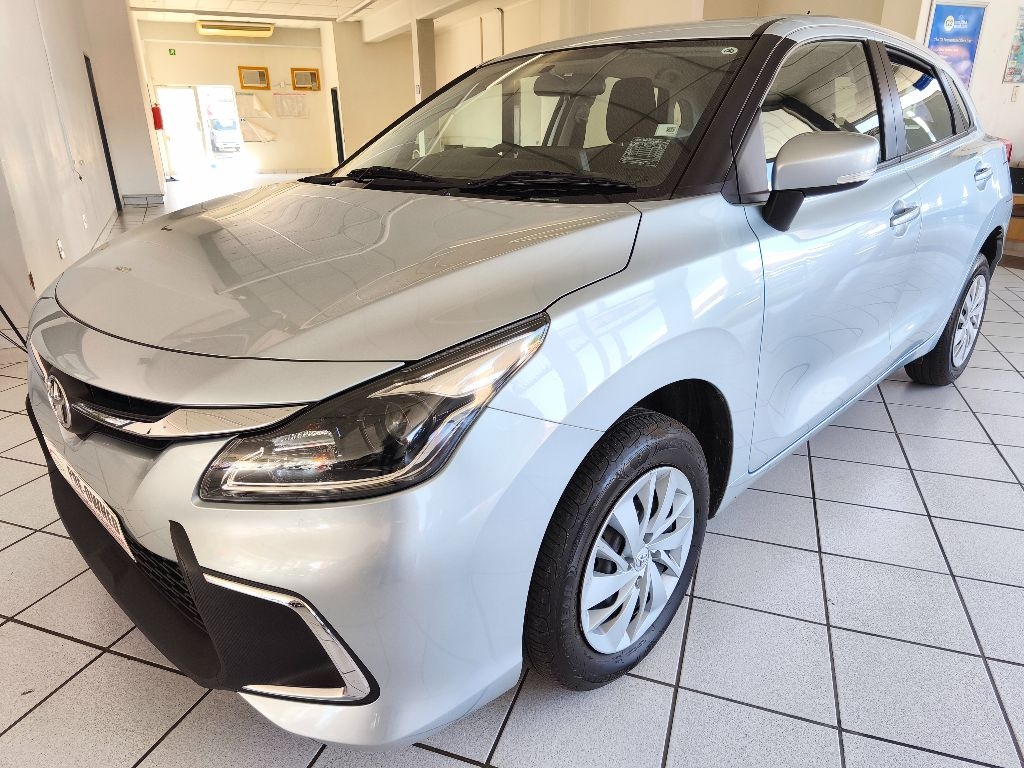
359, 446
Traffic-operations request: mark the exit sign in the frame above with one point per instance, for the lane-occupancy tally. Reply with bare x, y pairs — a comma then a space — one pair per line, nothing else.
172, 51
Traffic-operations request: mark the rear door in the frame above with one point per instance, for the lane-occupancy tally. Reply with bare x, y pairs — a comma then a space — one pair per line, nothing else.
953, 167
834, 280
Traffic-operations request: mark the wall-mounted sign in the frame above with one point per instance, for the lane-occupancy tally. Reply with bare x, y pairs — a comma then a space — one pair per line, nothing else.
172, 51
1015, 62
954, 34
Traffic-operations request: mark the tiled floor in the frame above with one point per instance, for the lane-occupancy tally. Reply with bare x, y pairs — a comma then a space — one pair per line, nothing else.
862, 607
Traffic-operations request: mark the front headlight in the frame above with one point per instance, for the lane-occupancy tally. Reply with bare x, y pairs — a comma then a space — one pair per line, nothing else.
378, 438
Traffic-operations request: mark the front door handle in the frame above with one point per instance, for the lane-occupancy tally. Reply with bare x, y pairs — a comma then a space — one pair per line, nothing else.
982, 174
904, 216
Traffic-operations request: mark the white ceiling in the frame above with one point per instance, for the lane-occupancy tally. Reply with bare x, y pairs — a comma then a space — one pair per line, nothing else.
309, 9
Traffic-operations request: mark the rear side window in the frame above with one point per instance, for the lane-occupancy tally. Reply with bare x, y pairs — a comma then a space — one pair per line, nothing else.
824, 86
927, 116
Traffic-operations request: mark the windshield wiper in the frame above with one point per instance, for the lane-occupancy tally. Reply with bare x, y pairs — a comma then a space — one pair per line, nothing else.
372, 173
387, 172
548, 183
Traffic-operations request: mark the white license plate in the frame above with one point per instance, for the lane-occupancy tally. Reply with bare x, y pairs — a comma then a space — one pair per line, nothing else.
107, 517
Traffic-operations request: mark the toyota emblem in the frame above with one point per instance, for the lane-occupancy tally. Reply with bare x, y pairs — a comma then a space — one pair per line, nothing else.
59, 403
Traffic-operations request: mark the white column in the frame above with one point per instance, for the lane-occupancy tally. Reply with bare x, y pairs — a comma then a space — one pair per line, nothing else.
424, 66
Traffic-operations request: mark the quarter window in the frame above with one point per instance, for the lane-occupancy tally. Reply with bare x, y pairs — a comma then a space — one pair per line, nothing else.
824, 86
927, 117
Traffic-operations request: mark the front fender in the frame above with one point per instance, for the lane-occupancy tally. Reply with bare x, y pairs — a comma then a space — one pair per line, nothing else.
690, 305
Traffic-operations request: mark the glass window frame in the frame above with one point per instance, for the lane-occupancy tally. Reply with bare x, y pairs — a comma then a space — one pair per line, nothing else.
960, 125
888, 142
673, 184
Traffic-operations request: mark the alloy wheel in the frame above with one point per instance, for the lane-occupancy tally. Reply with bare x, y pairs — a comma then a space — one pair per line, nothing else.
968, 324
637, 560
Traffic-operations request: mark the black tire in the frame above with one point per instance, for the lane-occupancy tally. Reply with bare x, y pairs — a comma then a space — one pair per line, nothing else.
554, 643
936, 368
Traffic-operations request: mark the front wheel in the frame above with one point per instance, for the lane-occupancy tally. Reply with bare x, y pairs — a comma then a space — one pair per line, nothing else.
619, 552
944, 364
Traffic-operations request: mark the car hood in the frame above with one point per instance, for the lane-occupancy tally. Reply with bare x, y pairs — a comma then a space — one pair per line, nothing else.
300, 271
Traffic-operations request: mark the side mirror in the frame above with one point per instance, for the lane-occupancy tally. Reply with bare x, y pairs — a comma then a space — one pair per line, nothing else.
817, 164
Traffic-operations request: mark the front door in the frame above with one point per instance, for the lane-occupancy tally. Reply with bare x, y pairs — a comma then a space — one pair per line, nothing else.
833, 281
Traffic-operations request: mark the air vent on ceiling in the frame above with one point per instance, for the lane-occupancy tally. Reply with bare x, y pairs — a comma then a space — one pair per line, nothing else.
235, 28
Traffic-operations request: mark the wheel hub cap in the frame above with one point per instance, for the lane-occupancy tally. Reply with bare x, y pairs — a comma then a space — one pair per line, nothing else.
637, 560
968, 324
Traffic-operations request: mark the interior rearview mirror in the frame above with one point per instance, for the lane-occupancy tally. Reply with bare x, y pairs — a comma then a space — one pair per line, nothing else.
817, 163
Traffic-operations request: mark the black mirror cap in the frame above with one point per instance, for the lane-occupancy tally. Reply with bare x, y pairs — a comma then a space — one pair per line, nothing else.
783, 205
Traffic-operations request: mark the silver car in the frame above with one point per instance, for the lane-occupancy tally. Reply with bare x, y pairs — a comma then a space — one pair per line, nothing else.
361, 446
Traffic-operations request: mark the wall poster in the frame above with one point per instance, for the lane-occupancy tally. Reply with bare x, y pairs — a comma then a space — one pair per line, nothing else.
954, 33
1015, 61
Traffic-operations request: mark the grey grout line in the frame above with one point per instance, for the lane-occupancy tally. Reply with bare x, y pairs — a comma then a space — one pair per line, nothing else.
508, 715
446, 753
316, 756
109, 649
963, 604
760, 708
679, 666
49, 695
176, 723
16, 614
936, 752
824, 597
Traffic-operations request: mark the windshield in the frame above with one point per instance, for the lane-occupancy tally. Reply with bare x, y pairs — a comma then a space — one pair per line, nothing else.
623, 116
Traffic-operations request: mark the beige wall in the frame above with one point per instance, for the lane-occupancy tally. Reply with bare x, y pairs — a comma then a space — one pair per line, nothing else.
52, 169
1001, 116
375, 82
301, 144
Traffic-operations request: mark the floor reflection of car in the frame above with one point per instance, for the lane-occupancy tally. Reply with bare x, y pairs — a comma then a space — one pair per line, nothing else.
362, 445
225, 135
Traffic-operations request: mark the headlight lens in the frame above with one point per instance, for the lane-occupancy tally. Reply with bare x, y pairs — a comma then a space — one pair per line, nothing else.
379, 438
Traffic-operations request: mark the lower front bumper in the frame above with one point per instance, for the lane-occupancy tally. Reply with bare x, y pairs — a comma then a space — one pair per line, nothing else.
222, 632
426, 586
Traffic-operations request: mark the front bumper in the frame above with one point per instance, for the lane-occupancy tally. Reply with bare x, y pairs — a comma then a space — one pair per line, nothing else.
426, 589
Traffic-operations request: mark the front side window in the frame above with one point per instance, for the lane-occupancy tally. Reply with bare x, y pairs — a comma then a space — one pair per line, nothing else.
823, 86
626, 114
927, 117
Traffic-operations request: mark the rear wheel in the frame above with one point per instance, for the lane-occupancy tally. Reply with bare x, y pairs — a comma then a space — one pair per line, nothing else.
944, 364
619, 552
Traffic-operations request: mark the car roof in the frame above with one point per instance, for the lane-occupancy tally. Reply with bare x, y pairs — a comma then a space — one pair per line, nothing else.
783, 26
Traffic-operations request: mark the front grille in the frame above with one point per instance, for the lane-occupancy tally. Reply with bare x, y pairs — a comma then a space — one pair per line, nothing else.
167, 577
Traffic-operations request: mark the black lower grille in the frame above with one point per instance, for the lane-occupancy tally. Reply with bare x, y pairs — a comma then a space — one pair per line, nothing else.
167, 577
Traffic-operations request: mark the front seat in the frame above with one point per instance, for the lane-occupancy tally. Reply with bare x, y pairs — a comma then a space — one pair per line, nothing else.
631, 107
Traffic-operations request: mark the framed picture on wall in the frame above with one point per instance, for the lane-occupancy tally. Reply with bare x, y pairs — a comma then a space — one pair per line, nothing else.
254, 78
305, 79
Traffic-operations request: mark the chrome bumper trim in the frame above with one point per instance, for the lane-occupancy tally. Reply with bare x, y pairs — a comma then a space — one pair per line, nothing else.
191, 422
356, 685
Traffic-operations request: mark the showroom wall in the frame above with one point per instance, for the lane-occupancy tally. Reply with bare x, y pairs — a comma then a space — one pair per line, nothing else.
1002, 116
370, 103
301, 144
55, 184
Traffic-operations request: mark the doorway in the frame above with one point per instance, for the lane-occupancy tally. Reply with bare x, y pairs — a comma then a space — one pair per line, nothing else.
204, 150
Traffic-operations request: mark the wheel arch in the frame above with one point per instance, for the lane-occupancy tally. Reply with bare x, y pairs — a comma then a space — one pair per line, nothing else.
702, 408
992, 248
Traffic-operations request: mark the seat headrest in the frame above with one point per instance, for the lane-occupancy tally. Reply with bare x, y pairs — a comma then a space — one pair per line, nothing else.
631, 106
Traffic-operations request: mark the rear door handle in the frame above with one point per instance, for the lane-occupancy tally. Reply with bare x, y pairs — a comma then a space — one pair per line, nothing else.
904, 216
982, 174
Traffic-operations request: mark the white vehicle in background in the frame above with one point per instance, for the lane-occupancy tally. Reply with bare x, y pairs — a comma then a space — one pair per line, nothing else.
225, 134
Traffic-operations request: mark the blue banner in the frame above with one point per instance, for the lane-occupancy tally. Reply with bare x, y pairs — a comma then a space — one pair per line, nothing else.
954, 35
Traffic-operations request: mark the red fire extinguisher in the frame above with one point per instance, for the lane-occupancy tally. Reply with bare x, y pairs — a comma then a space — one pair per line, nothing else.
158, 118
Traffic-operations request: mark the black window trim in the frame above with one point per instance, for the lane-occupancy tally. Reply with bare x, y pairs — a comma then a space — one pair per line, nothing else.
954, 112
744, 128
